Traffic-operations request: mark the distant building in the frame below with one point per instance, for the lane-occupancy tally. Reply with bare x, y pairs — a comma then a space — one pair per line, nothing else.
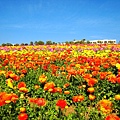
104, 41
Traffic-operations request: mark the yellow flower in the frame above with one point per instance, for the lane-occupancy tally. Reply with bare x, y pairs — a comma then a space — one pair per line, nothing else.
77, 65
118, 65
117, 97
22, 96
23, 89
42, 78
9, 83
7, 101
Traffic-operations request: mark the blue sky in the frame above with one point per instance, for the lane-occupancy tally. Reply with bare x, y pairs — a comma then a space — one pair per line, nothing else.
22, 21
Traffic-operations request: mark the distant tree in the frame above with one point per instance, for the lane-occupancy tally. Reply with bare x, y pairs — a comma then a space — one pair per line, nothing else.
40, 42
49, 42
26, 44
22, 44
83, 41
16, 44
71, 42
66, 42
9, 44
36, 43
88, 42
3, 44
31, 43
54, 43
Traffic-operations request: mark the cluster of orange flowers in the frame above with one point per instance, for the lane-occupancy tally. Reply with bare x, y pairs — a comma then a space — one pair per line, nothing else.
105, 106
6, 98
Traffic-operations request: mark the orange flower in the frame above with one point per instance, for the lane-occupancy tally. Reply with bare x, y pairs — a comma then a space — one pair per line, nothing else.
112, 117
106, 66
23, 116
112, 78
49, 85
66, 92
91, 97
80, 71
22, 75
14, 98
12, 75
92, 81
66, 85
37, 86
2, 101
103, 75
72, 71
90, 89
78, 98
23, 71
42, 78
23, 89
38, 101
7, 98
22, 110
94, 73
58, 89
117, 97
87, 76
105, 106
95, 68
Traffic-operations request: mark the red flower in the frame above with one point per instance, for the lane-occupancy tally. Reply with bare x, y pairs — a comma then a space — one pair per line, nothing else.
112, 78
21, 84
112, 117
24, 71
61, 103
16, 77
32, 100
57, 89
118, 80
22, 116
41, 102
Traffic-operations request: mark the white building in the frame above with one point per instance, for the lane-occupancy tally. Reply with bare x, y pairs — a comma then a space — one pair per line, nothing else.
104, 41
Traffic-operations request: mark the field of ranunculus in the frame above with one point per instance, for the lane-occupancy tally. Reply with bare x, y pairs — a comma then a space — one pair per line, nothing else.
60, 82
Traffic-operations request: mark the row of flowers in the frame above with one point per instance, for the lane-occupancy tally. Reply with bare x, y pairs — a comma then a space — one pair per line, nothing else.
67, 81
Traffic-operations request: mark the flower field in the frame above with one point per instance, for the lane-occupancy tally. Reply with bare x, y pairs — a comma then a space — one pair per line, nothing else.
60, 82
